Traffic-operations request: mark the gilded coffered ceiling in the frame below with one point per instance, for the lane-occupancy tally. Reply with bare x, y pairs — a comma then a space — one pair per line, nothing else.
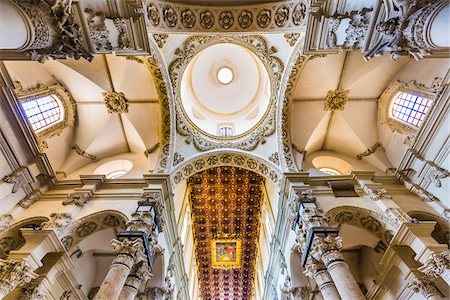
226, 209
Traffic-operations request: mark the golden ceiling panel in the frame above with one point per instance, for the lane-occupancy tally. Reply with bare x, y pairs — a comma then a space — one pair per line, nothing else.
226, 209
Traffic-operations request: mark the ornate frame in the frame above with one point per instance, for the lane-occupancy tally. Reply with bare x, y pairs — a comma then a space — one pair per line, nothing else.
226, 265
388, 97
266, 126
66, 101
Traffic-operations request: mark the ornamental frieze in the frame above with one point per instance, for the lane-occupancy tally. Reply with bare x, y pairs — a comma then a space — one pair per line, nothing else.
270, 17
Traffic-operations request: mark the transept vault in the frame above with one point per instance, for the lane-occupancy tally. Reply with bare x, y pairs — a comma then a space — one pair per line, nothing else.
224, 150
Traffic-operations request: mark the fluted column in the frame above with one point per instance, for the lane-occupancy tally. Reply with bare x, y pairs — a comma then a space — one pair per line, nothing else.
426, 288
317, 270
139, 274
129, 252
438, 265
328, 250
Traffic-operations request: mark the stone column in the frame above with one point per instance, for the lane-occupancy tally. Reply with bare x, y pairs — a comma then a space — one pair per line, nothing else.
139, 274
426, 288
14, 273
327, 249
129, 253
438, 265
317, 270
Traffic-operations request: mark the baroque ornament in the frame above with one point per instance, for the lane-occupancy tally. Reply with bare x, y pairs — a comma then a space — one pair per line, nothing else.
250, 140
77, 198
115, 102
336, 100
286, 15
14, 273
436, 265
160, 39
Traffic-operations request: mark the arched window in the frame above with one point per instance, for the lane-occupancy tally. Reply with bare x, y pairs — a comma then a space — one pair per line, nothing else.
404, 106
48, 109
43, 111
410, 108
330, 171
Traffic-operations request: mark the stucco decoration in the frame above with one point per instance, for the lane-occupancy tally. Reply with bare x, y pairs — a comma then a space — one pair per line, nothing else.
271, 17
10, 237
286, 93
266, 127
68, 106
160, 39
226, 158
76, 231
376, 223
336, 100
115, 102
389, 95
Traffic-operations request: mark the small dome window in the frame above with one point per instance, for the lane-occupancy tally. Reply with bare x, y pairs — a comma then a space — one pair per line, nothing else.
43, 112
115, 168
330, 171
410, 108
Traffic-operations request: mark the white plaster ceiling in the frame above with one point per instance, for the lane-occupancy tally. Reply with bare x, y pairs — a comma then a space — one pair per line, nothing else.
96, 131
355, 129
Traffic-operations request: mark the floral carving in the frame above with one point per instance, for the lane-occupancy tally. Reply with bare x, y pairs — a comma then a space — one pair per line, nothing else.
86, 229
245, 19
98, 31
336, 100
226, 19
344, 217
423, 285
14, 273
170, 16
281, 15
206, 19
77, 198
299, 13
153, 14
436, 265
264, 18
187, 18
291, 38
67, 242
58, 221
370, 223
115, 102
160, 39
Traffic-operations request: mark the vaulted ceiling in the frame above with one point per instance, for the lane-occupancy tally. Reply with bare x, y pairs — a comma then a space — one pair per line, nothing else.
226, 209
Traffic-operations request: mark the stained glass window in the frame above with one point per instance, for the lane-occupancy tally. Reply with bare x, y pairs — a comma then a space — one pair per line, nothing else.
43, 112
410, 108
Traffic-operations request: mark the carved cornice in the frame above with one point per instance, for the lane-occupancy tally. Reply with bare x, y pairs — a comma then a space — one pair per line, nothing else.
271, 17
247, 141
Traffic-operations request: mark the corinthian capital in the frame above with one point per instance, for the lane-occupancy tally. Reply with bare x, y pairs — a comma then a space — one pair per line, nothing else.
14, 273
327, 249
154, 198
424, 286
436, 264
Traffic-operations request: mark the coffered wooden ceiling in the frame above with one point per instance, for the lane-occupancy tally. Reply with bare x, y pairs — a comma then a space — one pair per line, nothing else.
226, 206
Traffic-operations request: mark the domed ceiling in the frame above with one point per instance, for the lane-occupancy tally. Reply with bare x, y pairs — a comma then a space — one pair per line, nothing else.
225, 85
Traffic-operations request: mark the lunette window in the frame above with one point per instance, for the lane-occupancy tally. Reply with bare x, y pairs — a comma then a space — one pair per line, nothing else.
410, 108
43, 112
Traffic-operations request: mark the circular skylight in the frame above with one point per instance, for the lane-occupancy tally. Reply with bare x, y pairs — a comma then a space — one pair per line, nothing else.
225, 75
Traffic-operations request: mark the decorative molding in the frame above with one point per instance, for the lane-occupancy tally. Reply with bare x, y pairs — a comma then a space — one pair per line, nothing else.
291, 38
68, 105
60, 175
151, 149
271, 17
436, 174
115, 102
160, 39
30, 199
152, 197
98, 31
370, 150
77, 198
177, 158
436, 265
247, 141
335, 100
83, 153
14, 273
58, 221
275, 158
56, 33
17, 179
5, 221
221, 158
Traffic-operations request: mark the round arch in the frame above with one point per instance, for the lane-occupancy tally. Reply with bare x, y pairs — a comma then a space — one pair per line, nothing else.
84, 227
232, 158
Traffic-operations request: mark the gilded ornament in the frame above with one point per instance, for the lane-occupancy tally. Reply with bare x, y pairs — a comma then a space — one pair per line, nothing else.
115, 102
245, 19
226, 19
291, 38
299, 13
206, 19
187, 18
336, 100
281, 15
170, 16
264, 17
153, 14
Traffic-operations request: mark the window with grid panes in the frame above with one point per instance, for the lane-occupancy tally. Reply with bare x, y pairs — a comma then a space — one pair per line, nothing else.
43, 112
410, 108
